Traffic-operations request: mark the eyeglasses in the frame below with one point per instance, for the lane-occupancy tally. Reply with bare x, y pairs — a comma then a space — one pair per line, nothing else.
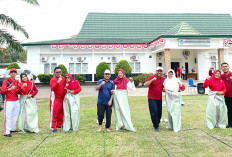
107, 74
67, 77
58, 72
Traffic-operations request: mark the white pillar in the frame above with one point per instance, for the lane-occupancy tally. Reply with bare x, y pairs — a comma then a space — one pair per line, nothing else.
93, 65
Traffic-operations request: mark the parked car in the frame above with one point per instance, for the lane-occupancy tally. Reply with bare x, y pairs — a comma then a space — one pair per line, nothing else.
19, 71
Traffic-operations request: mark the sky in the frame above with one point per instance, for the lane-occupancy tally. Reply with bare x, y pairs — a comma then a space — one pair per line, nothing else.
60, 19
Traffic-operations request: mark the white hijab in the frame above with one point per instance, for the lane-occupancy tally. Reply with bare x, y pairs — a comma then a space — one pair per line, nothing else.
171, 84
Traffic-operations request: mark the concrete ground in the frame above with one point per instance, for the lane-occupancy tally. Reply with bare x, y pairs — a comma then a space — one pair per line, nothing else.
89, 91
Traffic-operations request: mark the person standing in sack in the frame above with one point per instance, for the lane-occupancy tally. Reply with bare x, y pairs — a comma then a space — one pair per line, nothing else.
71, 104
28, 116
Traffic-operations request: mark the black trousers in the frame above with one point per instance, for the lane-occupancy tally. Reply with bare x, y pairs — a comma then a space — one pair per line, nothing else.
228, 101
155, 107
101, 109
183, 76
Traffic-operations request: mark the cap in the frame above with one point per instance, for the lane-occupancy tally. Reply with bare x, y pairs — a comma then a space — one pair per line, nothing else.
159, 68
13, 70
107, 71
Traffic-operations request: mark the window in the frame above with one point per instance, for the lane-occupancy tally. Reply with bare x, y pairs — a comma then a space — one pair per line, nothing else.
114, 65
84, 67
132, 66
47, 68
160, 64
214, 65
71, 67
53, 65
109, 65
78, 68
135, 66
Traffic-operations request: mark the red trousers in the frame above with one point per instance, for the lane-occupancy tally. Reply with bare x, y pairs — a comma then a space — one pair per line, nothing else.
57, 113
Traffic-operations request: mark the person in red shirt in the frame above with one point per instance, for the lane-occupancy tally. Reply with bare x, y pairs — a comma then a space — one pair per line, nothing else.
58, 92
71, 104
227, 78
28, 116
216, 108
11, 89
155, 83
178, 72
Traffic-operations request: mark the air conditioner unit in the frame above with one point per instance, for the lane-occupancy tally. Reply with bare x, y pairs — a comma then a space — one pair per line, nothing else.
44, 59
134, 58
81, 59
186, 53
114, 58
213, 57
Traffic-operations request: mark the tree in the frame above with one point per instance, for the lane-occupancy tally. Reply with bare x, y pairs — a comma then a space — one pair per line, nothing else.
123, 64
101, 69
6, 37
23, 57
4, 56
64, 69
13, 65
13, 53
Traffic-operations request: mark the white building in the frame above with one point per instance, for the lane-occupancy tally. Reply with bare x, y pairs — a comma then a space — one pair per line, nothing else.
195, 41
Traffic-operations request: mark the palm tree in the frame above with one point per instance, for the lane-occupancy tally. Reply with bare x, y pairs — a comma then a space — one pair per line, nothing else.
6, 37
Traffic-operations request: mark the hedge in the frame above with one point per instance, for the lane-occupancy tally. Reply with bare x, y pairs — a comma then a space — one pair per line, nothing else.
80, 78
13, 65
45, 78
101, 69
123, 64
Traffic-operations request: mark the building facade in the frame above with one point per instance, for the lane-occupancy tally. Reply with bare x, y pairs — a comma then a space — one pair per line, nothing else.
195, 41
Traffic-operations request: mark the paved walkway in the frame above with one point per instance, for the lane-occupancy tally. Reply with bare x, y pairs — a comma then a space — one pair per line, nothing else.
90, 91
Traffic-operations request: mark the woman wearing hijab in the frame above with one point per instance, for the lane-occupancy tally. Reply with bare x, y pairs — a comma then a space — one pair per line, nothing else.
121, 104
216, 111
173, 87
28, 116
71, 104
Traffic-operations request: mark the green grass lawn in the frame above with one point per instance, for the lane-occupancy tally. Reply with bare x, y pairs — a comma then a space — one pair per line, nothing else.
144, 142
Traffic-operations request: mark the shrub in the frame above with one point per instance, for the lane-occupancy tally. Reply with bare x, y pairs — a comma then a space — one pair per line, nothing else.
136, 80
101, 69
34, 77
141, 78
64, 69
80, 78
123, 64
45, 78
13, 65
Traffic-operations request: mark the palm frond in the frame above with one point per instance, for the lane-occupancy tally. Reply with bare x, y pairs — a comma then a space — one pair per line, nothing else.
33, 2
8, 21
6, 38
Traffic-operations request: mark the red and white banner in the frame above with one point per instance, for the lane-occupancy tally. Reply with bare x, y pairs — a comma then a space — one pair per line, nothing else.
112, 46
227, 43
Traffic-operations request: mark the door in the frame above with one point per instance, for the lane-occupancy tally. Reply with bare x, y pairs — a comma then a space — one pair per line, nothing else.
186, 68
175, 65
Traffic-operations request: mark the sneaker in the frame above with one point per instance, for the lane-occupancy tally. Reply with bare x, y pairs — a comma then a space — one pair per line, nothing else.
228, 126
157, 130
8, 135
54, 131
165, 120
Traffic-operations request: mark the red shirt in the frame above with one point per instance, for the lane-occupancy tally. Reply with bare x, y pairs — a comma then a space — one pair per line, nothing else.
13, 94
212, 87
77, 87
33, 92
58, 88
156, 88
228, 83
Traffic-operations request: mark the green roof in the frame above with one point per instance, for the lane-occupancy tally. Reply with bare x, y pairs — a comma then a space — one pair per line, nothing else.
132, 28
